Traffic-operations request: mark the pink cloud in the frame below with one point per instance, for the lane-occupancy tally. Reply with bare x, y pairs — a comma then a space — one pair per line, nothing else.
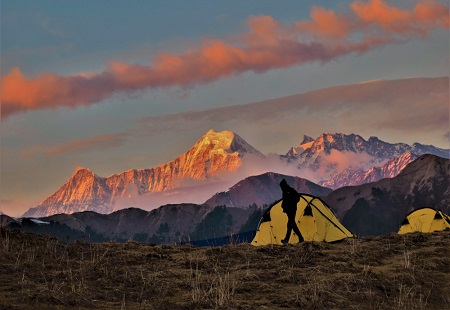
268, 45
348, 160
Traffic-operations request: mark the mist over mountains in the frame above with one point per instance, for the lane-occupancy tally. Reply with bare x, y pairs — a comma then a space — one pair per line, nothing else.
220, 159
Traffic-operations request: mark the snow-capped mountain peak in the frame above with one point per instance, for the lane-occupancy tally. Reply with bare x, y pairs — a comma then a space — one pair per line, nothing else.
306, 143
81, 172
224, 141
216, 140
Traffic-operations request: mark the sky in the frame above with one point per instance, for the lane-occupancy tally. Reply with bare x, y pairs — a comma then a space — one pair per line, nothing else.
90, 83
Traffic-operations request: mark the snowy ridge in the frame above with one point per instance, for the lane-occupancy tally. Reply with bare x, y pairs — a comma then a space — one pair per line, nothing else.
350, 178
342, 160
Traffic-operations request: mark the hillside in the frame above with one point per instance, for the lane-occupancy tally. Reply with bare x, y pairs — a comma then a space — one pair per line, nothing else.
387, 272
263, 190
168, 224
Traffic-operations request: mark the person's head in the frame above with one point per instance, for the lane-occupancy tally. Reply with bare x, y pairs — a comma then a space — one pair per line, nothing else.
283, 184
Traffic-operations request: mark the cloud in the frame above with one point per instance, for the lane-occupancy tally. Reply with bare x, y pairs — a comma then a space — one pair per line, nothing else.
78, 146
426, 15
326, 23
348, 160
267, 45
81, 145
5, 201
407, 110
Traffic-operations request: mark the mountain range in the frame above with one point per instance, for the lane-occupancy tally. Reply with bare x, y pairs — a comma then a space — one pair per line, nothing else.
214, 153
333, 160
327, 152
373, 208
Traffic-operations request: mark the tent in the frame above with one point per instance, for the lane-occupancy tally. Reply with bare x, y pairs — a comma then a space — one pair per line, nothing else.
425, 220
314, 218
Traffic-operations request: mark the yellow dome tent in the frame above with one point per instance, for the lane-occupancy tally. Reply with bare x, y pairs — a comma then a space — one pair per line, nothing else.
314, 218
425, 220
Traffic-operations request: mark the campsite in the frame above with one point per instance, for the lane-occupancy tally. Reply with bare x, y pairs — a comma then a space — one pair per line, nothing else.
393, 271
327, 267
316, 221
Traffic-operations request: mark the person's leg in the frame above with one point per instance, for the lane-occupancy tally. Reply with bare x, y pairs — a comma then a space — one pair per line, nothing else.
297, 231
290, 225
288, 233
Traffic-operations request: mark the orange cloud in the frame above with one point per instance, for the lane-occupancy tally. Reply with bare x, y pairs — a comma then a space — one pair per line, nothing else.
264, 30
426, 15
380, 13
49, 90
268, 45
433, 13
326, 23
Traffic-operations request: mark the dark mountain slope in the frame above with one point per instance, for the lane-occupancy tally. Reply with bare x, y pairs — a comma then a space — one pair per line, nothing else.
262, 190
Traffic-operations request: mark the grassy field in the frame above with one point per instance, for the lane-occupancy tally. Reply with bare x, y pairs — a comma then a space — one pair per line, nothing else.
388, 272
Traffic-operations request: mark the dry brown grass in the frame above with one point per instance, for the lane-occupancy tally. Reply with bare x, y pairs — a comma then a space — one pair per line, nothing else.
388, 272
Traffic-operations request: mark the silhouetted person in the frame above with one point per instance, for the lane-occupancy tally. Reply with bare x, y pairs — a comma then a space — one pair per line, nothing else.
289, 205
